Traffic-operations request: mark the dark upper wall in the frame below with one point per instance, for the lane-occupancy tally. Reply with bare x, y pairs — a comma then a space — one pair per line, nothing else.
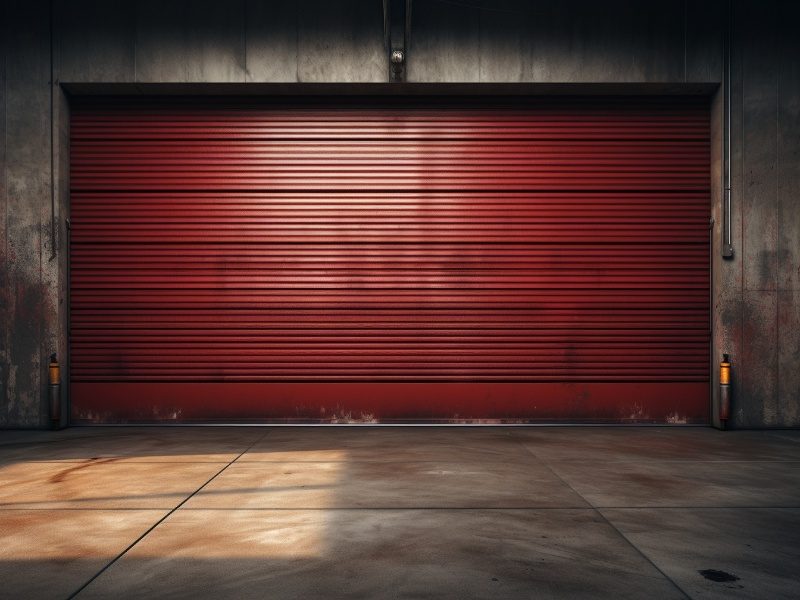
756, 296
317, 41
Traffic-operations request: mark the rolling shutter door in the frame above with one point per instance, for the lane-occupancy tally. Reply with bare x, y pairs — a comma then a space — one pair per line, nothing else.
537, 261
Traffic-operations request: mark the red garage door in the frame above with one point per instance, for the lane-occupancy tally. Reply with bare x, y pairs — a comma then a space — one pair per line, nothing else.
536, 261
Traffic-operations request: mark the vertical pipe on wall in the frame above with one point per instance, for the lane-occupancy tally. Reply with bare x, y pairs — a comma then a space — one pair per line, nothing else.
407, 32
387, 38
396, 19
53, 225
727, 220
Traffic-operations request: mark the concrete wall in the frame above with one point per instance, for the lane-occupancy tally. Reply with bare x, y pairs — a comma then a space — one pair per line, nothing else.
30, 278
756, 299
758, 295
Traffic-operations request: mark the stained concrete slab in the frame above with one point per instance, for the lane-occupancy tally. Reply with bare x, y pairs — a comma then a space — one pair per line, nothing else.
383, 554
520, 484
217, 445
101, 484
609, 444
496, 512
51, 553
684, 484
759, 548
392, 444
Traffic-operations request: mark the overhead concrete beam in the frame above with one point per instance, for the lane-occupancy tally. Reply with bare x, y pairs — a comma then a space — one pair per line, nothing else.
341, 42
96, 40
272, 45
190, 40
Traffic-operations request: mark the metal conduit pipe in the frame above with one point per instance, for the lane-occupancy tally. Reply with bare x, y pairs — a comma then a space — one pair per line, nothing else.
725, 391
727, 219
53, 221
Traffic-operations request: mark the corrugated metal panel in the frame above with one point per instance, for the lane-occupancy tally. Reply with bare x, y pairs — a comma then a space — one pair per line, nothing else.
564, 243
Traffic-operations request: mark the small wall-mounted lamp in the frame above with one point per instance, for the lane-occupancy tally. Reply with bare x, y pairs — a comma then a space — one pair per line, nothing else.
398, 58
54, 391
397, 34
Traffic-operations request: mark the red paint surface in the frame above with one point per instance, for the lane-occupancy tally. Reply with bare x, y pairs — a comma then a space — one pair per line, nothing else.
238, 262
370, 401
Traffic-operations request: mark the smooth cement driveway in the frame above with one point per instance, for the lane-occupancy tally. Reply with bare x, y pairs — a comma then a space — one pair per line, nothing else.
383, 512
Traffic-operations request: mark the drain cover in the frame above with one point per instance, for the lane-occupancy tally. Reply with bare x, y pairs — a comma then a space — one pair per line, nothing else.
719, 576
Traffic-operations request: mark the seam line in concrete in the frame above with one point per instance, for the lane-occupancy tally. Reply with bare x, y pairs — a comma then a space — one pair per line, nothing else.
622, 461
399, 508
41, 442
604, 518
162, 519
484, 508
640, 552
129, 460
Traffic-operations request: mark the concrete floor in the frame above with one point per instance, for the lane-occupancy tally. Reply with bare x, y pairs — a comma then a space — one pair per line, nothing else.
368, 512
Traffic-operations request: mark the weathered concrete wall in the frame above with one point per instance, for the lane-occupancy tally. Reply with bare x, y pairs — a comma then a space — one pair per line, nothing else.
31, 286
5, 296
550, 41
756, 299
